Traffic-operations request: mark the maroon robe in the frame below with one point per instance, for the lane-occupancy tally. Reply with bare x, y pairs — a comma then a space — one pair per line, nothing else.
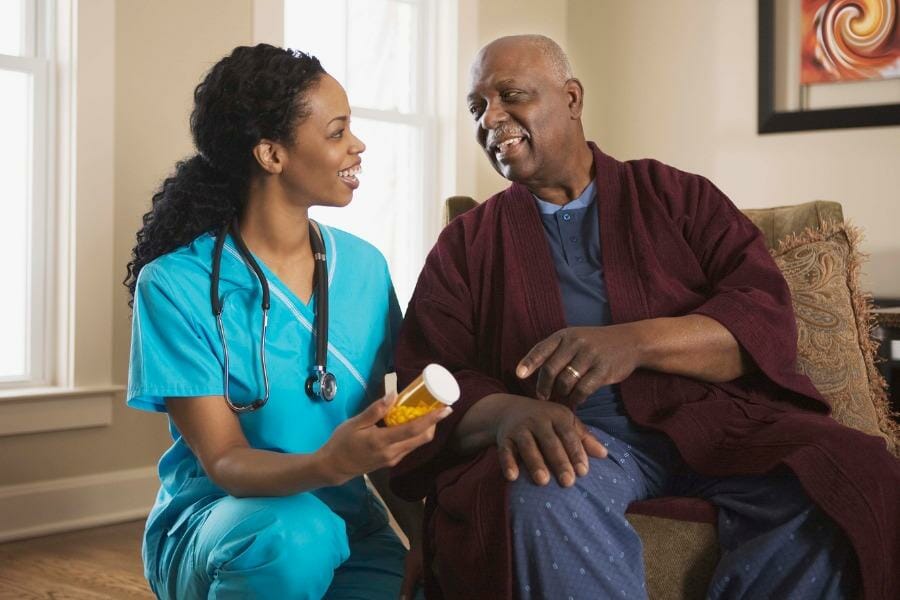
672, 244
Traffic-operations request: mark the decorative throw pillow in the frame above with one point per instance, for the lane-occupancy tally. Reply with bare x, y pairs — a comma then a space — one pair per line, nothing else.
835, 347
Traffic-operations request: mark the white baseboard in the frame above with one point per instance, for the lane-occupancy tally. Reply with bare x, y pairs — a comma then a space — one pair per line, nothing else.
53, 506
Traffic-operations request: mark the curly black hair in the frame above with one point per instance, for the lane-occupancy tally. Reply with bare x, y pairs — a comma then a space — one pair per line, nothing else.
256, 92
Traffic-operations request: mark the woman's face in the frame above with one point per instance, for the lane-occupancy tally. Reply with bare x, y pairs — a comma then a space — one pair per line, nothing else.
321, 166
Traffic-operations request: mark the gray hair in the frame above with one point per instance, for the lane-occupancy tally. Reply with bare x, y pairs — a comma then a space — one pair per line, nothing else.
550, 50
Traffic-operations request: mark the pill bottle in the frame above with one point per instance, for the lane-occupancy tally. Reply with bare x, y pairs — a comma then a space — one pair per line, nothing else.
434, 388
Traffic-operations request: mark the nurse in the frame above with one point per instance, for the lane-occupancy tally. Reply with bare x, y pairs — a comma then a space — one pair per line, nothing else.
271, 501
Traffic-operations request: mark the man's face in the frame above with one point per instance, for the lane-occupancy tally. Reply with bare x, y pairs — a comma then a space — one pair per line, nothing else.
521, 111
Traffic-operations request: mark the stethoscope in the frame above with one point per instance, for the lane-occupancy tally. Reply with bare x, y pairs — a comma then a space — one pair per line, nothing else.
321, 385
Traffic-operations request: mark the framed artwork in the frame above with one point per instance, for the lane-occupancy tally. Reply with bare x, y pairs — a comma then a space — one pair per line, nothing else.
828, 64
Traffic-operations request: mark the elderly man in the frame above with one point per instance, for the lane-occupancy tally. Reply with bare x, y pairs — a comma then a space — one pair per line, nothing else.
620, 332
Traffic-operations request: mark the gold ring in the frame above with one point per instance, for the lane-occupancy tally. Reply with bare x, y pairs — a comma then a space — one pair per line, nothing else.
572, 370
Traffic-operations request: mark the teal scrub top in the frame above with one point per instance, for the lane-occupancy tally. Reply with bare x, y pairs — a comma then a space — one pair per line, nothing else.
176, 351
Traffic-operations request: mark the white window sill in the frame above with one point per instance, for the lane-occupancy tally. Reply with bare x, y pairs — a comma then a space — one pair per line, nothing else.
40, 409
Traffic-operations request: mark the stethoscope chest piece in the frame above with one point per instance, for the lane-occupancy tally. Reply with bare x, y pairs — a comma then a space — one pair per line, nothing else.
321, 385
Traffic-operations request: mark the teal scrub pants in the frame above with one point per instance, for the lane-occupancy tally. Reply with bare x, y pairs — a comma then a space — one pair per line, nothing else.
289, 547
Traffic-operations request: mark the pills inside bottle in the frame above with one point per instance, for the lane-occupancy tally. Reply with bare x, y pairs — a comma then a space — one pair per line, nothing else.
434, 388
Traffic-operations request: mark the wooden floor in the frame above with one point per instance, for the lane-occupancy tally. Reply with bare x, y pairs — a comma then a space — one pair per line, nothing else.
84, 565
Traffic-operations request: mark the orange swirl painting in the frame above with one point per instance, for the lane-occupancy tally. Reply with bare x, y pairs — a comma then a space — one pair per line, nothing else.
849, 40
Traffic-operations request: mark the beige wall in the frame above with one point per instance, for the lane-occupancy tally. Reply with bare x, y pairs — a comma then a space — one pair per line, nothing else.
163, 48
677, 81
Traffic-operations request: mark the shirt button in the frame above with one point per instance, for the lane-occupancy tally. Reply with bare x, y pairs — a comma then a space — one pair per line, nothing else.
567, 217
573, 239
579, 259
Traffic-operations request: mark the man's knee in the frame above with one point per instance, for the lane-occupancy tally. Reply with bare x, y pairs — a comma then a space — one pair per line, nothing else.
604, 489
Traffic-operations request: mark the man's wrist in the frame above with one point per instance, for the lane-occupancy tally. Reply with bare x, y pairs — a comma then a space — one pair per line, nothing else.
642, 342
499, 406
479, 426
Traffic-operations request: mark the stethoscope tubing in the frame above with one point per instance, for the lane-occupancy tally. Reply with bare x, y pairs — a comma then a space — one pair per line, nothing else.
320, 274
260, 402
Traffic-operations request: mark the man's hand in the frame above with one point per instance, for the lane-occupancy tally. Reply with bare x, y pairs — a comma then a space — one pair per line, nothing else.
547, 437
574, 363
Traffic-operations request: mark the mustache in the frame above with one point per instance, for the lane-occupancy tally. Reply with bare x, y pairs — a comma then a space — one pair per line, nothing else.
504, 132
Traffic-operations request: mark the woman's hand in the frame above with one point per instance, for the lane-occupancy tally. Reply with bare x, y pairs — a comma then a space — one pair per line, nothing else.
359, 446
546, 437
574, 363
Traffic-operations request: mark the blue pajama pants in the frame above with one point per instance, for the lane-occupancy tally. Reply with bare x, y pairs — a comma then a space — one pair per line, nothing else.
291, 547
576, 543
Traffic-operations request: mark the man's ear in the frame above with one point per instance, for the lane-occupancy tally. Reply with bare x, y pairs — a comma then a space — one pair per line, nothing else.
268, 156
575, 94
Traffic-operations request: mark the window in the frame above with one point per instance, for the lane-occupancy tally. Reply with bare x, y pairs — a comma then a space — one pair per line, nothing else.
388, 56
25, 106
56, 215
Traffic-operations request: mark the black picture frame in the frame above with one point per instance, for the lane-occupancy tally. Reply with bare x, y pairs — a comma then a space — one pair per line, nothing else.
771, 120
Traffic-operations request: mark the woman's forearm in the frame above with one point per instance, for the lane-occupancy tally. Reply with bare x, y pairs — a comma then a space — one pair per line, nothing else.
213, 433
357, 446
244, 471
